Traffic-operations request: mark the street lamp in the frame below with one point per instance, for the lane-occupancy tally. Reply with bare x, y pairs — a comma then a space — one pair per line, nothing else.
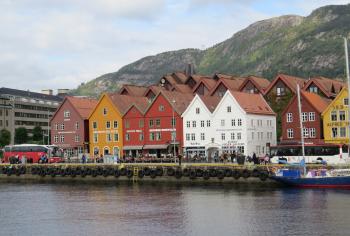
173, 131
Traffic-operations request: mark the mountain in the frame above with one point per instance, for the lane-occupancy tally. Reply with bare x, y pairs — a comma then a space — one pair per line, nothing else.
296, 45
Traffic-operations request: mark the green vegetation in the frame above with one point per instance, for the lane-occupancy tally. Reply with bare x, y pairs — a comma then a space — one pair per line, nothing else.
5, 137
21, 135
300, 46
37, 134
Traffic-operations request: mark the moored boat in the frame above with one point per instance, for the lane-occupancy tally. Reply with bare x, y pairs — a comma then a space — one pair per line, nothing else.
320, 178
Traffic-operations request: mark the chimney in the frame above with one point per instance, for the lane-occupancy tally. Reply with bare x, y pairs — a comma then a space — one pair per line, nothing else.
190, 70
47, 91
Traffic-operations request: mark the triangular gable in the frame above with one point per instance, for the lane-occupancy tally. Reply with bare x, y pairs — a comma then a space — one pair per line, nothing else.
196, 98
104, 95
344, 90
227, 94
285, 79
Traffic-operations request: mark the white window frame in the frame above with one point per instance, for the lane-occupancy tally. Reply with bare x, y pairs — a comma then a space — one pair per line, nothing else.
289, 117
290, 133
312, 116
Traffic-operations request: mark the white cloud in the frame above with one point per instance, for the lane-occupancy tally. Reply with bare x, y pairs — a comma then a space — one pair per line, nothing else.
61, 43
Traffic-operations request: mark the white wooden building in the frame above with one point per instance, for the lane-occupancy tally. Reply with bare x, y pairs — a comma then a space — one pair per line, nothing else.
198, 125
244, 123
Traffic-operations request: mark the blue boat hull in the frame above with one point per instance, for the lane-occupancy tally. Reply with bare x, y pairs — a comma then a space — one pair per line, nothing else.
324, 182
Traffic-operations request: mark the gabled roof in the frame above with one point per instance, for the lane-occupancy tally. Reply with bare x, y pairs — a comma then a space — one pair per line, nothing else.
260, 83
182, 100
140, 104
326, 85
210, 102
133, 90
208, 82
232, 83
124, 102
83, 105
290, 81
182, 88
181, 77
252, 103
154, 88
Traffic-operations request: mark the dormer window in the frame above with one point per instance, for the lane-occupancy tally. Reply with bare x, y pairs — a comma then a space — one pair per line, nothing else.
281, 91
104, 111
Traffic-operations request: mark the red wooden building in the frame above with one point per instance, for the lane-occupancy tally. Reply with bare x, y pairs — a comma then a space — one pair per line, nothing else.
134, 128
163, 123
70, 125
312, 105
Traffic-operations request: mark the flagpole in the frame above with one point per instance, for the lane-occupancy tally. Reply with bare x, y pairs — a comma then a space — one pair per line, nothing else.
300, 123
348, 81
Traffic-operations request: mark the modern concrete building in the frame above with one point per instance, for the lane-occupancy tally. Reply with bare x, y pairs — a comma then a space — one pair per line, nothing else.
26, 109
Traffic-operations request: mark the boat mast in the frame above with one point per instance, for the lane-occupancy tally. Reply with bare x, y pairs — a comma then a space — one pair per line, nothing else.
348, 80
300, 123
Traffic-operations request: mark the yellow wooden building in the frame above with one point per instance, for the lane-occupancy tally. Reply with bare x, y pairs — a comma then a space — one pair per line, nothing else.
336, 119
105, 127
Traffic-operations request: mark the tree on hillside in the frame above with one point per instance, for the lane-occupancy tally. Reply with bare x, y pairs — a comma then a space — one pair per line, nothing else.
37, 133
5, 137
21, 135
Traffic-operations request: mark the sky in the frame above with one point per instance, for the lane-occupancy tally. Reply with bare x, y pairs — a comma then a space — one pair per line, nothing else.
62, 43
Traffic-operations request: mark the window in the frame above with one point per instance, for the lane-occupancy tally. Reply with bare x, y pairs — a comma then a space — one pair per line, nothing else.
313, 89
334, 132
188, 137
141, 136
312, 116
229, 109
104, 111
127, 137
202, 123
108, 124
94, 125
193, 137
188, 124
252, 135
223, 136
289, 117
194, 124
151, 136
305, 132
76, 138
239, 136
208, 123
115, 124
66, 114
342, 132
62, 138
158, 136
56, 126
95, 138
76, 125
222, 122
173, 122
312, 132
202, 136
239, 122
280, 91
161, 108
197, 110
55, 138
116, 137
334, 116
304, 116
233, 122
252, 123
290, 133
108, 137
232, 136
141, 123
173, 135
150, 123
346, 101
341, 115
62, 126
158, 122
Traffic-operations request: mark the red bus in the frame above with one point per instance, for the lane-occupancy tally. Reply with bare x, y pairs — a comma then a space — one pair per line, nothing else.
32, 153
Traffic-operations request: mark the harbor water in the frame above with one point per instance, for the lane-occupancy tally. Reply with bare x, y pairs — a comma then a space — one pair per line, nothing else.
170, 209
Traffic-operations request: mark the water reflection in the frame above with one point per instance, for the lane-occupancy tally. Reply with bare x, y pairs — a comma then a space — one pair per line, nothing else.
151, 209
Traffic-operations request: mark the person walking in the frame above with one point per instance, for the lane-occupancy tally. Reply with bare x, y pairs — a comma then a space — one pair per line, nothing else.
83, 158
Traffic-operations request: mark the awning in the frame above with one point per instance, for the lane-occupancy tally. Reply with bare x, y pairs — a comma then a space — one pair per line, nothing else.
159, 146
132, 147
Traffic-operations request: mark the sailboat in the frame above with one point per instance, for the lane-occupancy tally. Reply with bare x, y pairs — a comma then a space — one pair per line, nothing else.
299, 176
